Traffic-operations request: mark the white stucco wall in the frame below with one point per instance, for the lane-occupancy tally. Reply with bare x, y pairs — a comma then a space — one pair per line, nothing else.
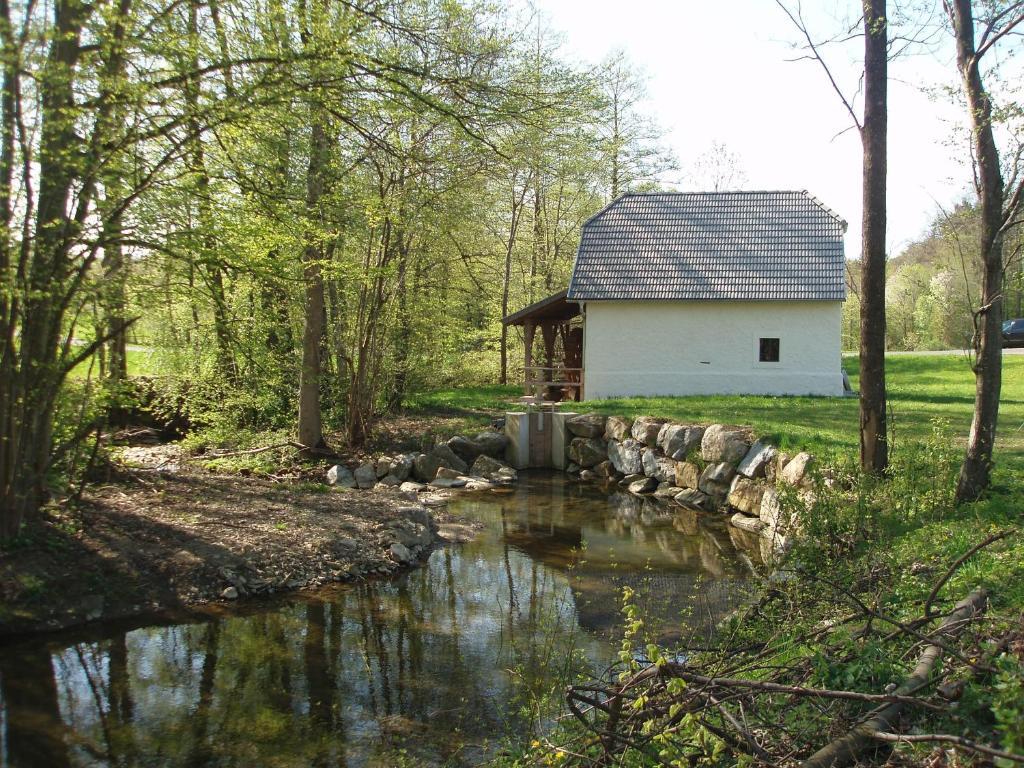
636, 348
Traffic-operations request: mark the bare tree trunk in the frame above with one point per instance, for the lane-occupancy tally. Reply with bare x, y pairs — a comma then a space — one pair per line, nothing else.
116, 321
988, 364
114, 278
616, 145
874, 452
310, 419
506, 283
9, 520
212, 266
404, 336
27, 398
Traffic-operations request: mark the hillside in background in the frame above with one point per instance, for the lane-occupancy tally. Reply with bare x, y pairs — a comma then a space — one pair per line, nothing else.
931, 286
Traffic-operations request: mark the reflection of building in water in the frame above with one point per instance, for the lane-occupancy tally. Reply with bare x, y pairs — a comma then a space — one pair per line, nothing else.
685, 572
435, 663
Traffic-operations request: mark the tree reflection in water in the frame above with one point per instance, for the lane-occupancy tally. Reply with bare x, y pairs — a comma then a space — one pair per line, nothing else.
437, 665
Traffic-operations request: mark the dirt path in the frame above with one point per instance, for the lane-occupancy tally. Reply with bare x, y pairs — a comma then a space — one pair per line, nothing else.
171, 536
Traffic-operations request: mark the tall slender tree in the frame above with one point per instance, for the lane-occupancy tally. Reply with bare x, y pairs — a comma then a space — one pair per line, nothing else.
874, 447
873, 129
998, 208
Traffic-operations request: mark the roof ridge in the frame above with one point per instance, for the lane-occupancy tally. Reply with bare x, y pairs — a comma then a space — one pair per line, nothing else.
827, 210
717, 192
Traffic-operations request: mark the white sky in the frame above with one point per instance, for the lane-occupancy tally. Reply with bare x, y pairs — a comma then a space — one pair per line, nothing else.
718, 71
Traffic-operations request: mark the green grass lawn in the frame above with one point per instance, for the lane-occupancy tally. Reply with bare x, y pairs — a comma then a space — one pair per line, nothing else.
887, 540
921, 390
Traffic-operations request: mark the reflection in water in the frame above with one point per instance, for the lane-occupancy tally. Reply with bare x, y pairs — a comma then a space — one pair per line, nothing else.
432, 667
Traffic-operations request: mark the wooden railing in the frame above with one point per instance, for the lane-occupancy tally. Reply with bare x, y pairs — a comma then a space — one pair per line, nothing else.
558, 377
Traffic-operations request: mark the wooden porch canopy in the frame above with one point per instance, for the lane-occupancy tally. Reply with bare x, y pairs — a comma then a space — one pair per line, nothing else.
553, 316
554, 309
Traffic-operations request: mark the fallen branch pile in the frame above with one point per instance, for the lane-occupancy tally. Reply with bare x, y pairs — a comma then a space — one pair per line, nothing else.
766, 706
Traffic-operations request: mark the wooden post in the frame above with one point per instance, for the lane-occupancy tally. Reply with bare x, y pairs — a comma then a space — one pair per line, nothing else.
549, 330
528, 330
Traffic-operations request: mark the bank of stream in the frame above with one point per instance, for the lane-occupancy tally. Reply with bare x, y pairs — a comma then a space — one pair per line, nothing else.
438, 665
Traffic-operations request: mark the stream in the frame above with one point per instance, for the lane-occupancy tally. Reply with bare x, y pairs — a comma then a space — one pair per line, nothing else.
438, 666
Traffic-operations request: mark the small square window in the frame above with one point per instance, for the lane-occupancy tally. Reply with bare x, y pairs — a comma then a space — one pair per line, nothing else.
769, 351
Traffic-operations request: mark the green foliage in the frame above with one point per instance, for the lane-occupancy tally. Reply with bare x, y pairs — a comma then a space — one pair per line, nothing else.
885, 542
932, 285
1008, 703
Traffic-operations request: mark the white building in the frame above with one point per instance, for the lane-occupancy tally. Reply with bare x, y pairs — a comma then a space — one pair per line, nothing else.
699, 293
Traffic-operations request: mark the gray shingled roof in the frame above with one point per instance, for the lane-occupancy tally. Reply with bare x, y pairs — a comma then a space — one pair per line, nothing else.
711, 245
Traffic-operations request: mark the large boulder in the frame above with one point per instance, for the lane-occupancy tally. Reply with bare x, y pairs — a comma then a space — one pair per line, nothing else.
383, 466
449, 478
666, 491
745, 495
782, 519
411, 533
724, 444
645, 430
770, 510
366, 475
677, 440
691, 497
660, 468
486, 467
425, 467
626, 457
400, 553
401, 466
715, 479
505, 476
751, 524
773, 468
617, 428
605, 469
410, 489
587, 451
755, 463
586, 425
492, 444
646, 485
449, 458
341, 475
795, 471
464, 448
687, 474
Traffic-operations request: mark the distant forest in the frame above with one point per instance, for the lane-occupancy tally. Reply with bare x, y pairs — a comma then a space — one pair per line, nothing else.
932, 284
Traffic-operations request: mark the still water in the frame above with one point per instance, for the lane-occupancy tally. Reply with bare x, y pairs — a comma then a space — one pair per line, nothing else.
436, 667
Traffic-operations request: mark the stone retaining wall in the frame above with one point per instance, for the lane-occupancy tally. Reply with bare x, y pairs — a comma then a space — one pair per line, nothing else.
714, 468
717, 468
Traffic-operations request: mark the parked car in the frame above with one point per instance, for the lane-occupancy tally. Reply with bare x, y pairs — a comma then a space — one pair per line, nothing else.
1013, 332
